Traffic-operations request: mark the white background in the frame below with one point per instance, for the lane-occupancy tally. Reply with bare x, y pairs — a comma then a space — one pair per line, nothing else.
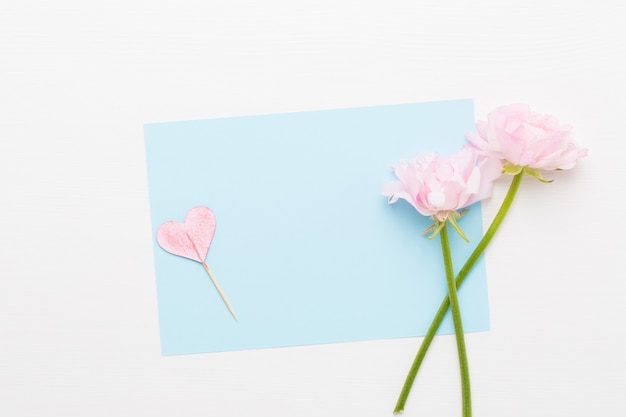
79, 330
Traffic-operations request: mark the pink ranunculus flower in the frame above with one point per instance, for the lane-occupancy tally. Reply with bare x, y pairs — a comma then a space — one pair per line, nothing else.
439, 186
526, 140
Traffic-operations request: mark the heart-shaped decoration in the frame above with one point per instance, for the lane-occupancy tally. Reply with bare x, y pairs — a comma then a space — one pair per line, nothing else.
190, 239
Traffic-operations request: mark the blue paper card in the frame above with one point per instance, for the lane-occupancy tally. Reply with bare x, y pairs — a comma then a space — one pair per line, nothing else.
306, 248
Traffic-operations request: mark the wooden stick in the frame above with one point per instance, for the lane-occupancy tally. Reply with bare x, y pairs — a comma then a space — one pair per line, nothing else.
219, 290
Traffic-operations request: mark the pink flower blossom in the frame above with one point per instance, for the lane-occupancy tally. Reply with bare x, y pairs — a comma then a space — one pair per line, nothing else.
523, 139
439, 186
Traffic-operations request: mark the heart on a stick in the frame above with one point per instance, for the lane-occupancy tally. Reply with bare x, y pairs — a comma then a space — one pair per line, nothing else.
192, 240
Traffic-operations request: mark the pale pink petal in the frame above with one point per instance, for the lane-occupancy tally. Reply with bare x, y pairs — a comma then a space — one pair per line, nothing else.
392, 188
436, 186
519, 136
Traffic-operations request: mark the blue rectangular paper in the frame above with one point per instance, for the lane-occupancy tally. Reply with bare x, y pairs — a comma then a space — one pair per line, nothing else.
306, 249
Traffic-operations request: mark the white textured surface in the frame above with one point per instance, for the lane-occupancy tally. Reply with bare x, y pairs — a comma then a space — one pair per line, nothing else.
78, 319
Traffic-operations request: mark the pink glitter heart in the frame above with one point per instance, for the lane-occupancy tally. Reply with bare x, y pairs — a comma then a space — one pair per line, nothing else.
190, 239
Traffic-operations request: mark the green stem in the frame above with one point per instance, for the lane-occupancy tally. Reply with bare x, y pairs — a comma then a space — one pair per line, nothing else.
443, 308
458, 323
